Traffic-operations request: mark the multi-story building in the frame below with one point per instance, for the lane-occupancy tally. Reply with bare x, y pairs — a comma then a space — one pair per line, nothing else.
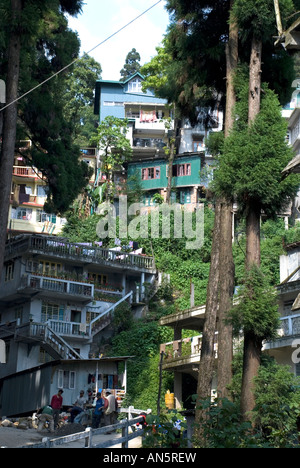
286, 349
149, 136
56, 297
29, 193
182, 355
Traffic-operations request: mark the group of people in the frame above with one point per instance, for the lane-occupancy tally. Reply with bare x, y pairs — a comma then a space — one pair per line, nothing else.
103, 406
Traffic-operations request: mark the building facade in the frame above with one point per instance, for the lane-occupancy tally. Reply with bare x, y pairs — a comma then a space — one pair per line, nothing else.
150, 125
29, 194
56, 297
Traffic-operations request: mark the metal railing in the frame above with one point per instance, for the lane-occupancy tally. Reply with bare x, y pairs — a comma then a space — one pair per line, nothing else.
89, 434
290, 325
103, 319
43, 333
58, 247
52, 284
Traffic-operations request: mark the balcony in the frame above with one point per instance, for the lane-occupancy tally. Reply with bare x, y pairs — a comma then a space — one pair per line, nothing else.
149, 123
288, 332
90, 255
27, 172
156, 143
56, 287
183, 355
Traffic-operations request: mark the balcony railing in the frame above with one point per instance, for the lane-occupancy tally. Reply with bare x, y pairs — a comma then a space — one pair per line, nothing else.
151, 124
55, 285
26, 171
156, 143
56, 247
182, 348
290, 326
71, 329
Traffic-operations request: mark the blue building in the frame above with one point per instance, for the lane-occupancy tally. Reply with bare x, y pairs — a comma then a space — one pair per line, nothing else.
149, 135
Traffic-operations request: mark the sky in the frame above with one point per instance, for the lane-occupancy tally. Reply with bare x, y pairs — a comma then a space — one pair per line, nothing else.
101, 18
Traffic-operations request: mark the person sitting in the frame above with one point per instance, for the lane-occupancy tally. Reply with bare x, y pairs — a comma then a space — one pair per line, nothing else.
78, 407
45, 415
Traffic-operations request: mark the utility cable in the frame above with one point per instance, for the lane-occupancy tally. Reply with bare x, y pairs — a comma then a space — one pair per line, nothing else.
78, 58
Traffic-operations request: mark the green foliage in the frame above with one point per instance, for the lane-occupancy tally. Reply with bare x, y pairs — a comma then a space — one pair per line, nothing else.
131, 65
47, 46
257, 17
79, 98
163, 432
272, 234
122, 318
256, 308
277, 409
222, 426
277, 399
142, 341
253, 158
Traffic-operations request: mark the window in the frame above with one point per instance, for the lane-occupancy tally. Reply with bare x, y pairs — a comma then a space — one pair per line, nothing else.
66, 379
97, 278
135, 86
21, 213
52, 312
198, 145
19, 314
9, 271
113, 103
180, 170
151, 173
48, 268
43, 217
185, 196
42, 191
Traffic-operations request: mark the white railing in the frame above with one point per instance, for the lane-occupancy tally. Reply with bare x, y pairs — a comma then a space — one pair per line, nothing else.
290, 325
69, 328
58, 285
103, 318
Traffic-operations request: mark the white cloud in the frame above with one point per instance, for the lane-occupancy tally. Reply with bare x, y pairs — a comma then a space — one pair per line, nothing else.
96, 24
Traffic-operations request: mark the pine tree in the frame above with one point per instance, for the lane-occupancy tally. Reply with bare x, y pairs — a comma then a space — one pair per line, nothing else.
131, 65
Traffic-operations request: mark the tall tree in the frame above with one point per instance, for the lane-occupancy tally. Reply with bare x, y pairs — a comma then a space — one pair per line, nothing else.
131, 65
252, 162
80, 97
256, 19
30, 58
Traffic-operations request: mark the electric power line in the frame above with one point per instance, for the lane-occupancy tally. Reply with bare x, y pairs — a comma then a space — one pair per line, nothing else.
78, 58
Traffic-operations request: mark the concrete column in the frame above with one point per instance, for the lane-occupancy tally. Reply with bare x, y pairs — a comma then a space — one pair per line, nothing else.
142, 286
178, 389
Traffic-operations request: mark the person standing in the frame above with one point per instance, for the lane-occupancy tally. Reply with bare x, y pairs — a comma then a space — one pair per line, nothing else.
97, 413
56, 405
110, 414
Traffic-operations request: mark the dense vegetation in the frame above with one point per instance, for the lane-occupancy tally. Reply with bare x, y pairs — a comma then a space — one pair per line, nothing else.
141, 338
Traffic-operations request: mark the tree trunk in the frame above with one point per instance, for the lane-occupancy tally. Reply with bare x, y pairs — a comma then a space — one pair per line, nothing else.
251, 364
225, 345
173, 148
9, 125
255, 79
212, 306
221, 276
252, 345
